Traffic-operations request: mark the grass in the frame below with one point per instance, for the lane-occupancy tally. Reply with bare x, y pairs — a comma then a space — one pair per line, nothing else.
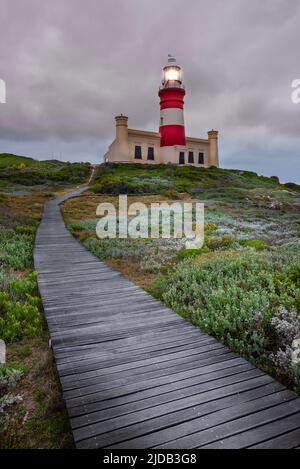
35, 416
242, 286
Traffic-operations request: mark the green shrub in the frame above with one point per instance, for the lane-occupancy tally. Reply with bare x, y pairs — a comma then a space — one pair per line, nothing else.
76, 227
289, 281
220, 242
15, 250
258, 244
190, 253
21, 287
20, 309
9, 377
25, 229
18, 320
293, 276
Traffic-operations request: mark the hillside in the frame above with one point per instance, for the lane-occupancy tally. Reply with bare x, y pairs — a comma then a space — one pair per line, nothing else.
20, 173
9, 160
171, 180
243, 285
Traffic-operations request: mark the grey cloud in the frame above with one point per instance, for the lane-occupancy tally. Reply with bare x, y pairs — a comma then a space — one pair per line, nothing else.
71, 65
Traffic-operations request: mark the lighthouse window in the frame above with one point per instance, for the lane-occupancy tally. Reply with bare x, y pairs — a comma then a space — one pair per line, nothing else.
191, 157
181, 157
138, 152
201, 158
150, 155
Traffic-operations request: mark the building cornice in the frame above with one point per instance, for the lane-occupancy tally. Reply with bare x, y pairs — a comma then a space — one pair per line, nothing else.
147, 133
196, 140
143, 133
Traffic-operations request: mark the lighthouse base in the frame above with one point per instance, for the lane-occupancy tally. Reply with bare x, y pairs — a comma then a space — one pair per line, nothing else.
171, 154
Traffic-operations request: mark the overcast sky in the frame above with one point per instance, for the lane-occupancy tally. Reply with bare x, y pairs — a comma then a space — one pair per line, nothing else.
71, 65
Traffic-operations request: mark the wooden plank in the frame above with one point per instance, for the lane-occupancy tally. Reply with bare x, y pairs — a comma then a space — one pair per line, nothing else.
204, 405
245, 439
285, 441
179, 424
163, 404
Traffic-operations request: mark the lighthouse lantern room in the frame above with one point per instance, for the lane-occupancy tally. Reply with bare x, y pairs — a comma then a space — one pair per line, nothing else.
170, 144
171, 93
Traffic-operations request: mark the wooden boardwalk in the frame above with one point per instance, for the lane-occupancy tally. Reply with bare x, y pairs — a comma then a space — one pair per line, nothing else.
136, 375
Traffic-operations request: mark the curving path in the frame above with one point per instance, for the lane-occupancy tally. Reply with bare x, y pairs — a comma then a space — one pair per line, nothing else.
136, 375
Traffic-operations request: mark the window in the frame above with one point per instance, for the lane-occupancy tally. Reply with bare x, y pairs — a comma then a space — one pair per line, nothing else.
201, 158
191, 157
150, 155
138, 152
181, 157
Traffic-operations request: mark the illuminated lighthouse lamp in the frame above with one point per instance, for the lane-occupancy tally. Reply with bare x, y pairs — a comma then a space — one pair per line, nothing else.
172, 73
171, 93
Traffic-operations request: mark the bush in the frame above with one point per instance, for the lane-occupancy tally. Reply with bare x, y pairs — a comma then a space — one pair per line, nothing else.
76, 227
220, 242
18, 320
20, 308
19, 288
150, 254
234, 299
9, 377
15, 250
190, 253
258, 244
25, 229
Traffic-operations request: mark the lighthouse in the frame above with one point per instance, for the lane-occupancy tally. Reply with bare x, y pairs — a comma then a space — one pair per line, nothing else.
170, 145
171, 94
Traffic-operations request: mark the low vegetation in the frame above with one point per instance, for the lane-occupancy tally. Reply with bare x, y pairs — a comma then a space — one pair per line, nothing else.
243, 285
32, 412
20, 174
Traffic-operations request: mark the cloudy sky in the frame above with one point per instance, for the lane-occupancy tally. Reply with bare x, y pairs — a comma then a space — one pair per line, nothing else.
71, 65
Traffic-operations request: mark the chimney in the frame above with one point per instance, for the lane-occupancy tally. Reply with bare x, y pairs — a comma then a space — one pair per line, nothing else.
213, 148
121, 128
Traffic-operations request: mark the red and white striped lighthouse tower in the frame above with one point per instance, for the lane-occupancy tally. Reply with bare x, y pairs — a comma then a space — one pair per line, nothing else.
171, 93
